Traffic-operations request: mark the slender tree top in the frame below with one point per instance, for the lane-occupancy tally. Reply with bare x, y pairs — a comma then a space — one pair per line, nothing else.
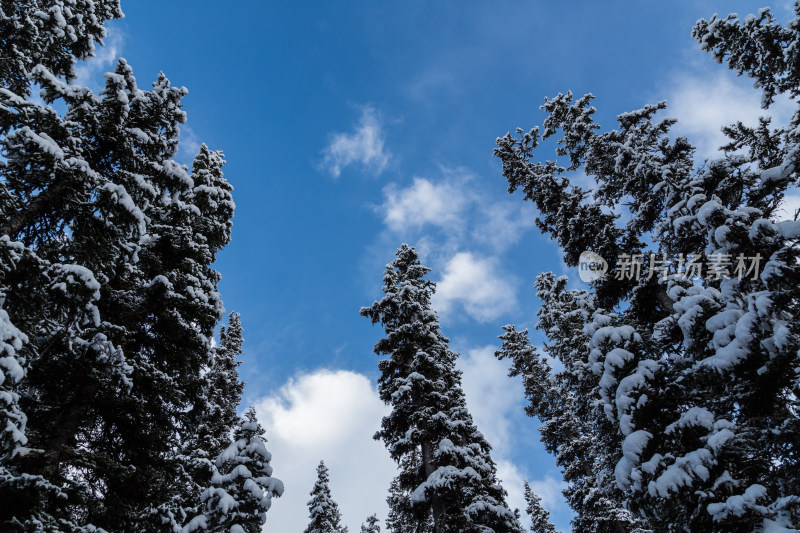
540, 517
323, 511
372, 525
448, 474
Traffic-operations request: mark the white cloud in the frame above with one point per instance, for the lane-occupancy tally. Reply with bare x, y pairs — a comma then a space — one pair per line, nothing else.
789, 206
704, 103
514, 483
424, 202
330, 416
502, 224
442, 218
491, 395
549, 490
365, 145
458, 209
189, 145
90, 72
477, 285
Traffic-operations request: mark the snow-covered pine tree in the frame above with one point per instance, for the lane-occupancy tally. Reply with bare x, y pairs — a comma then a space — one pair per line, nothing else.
48, 295
12, 370
569, 426
697, 380
454, 481
372, 525
323, 511
213, 419
105, 247
186, 233
540, 517
37, 296
242, 486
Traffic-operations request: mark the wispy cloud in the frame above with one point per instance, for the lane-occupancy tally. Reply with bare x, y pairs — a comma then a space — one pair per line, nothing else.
89, 73
453, 211
491, 395
331, 416
460, 230
549, 490
789, 206
364, 145
189, 145
477, 285
501, 224
703, 103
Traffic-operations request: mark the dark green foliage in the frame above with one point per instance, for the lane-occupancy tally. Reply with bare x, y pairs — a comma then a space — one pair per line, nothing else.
448, 477
108, 301
679, 398
540, 517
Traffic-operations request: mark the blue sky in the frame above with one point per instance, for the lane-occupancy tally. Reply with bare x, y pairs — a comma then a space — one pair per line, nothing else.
350, 128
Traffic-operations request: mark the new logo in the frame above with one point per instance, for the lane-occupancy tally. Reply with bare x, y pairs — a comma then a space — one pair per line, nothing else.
591, 267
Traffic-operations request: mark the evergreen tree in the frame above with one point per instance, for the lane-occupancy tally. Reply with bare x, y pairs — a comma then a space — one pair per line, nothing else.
569, 426
242, 486
691, 384
372, 525
51, 199
108, 301
540, 517
455, 481
213, 419
323, 511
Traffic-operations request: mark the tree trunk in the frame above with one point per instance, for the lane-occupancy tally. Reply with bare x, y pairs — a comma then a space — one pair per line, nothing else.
436, 504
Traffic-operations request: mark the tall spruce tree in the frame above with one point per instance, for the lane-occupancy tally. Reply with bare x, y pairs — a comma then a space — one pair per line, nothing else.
454, 479
540, 517
40, 296
242, 486
323, 511
569, 426
695, 381
213, 419
49, 194
108, 302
